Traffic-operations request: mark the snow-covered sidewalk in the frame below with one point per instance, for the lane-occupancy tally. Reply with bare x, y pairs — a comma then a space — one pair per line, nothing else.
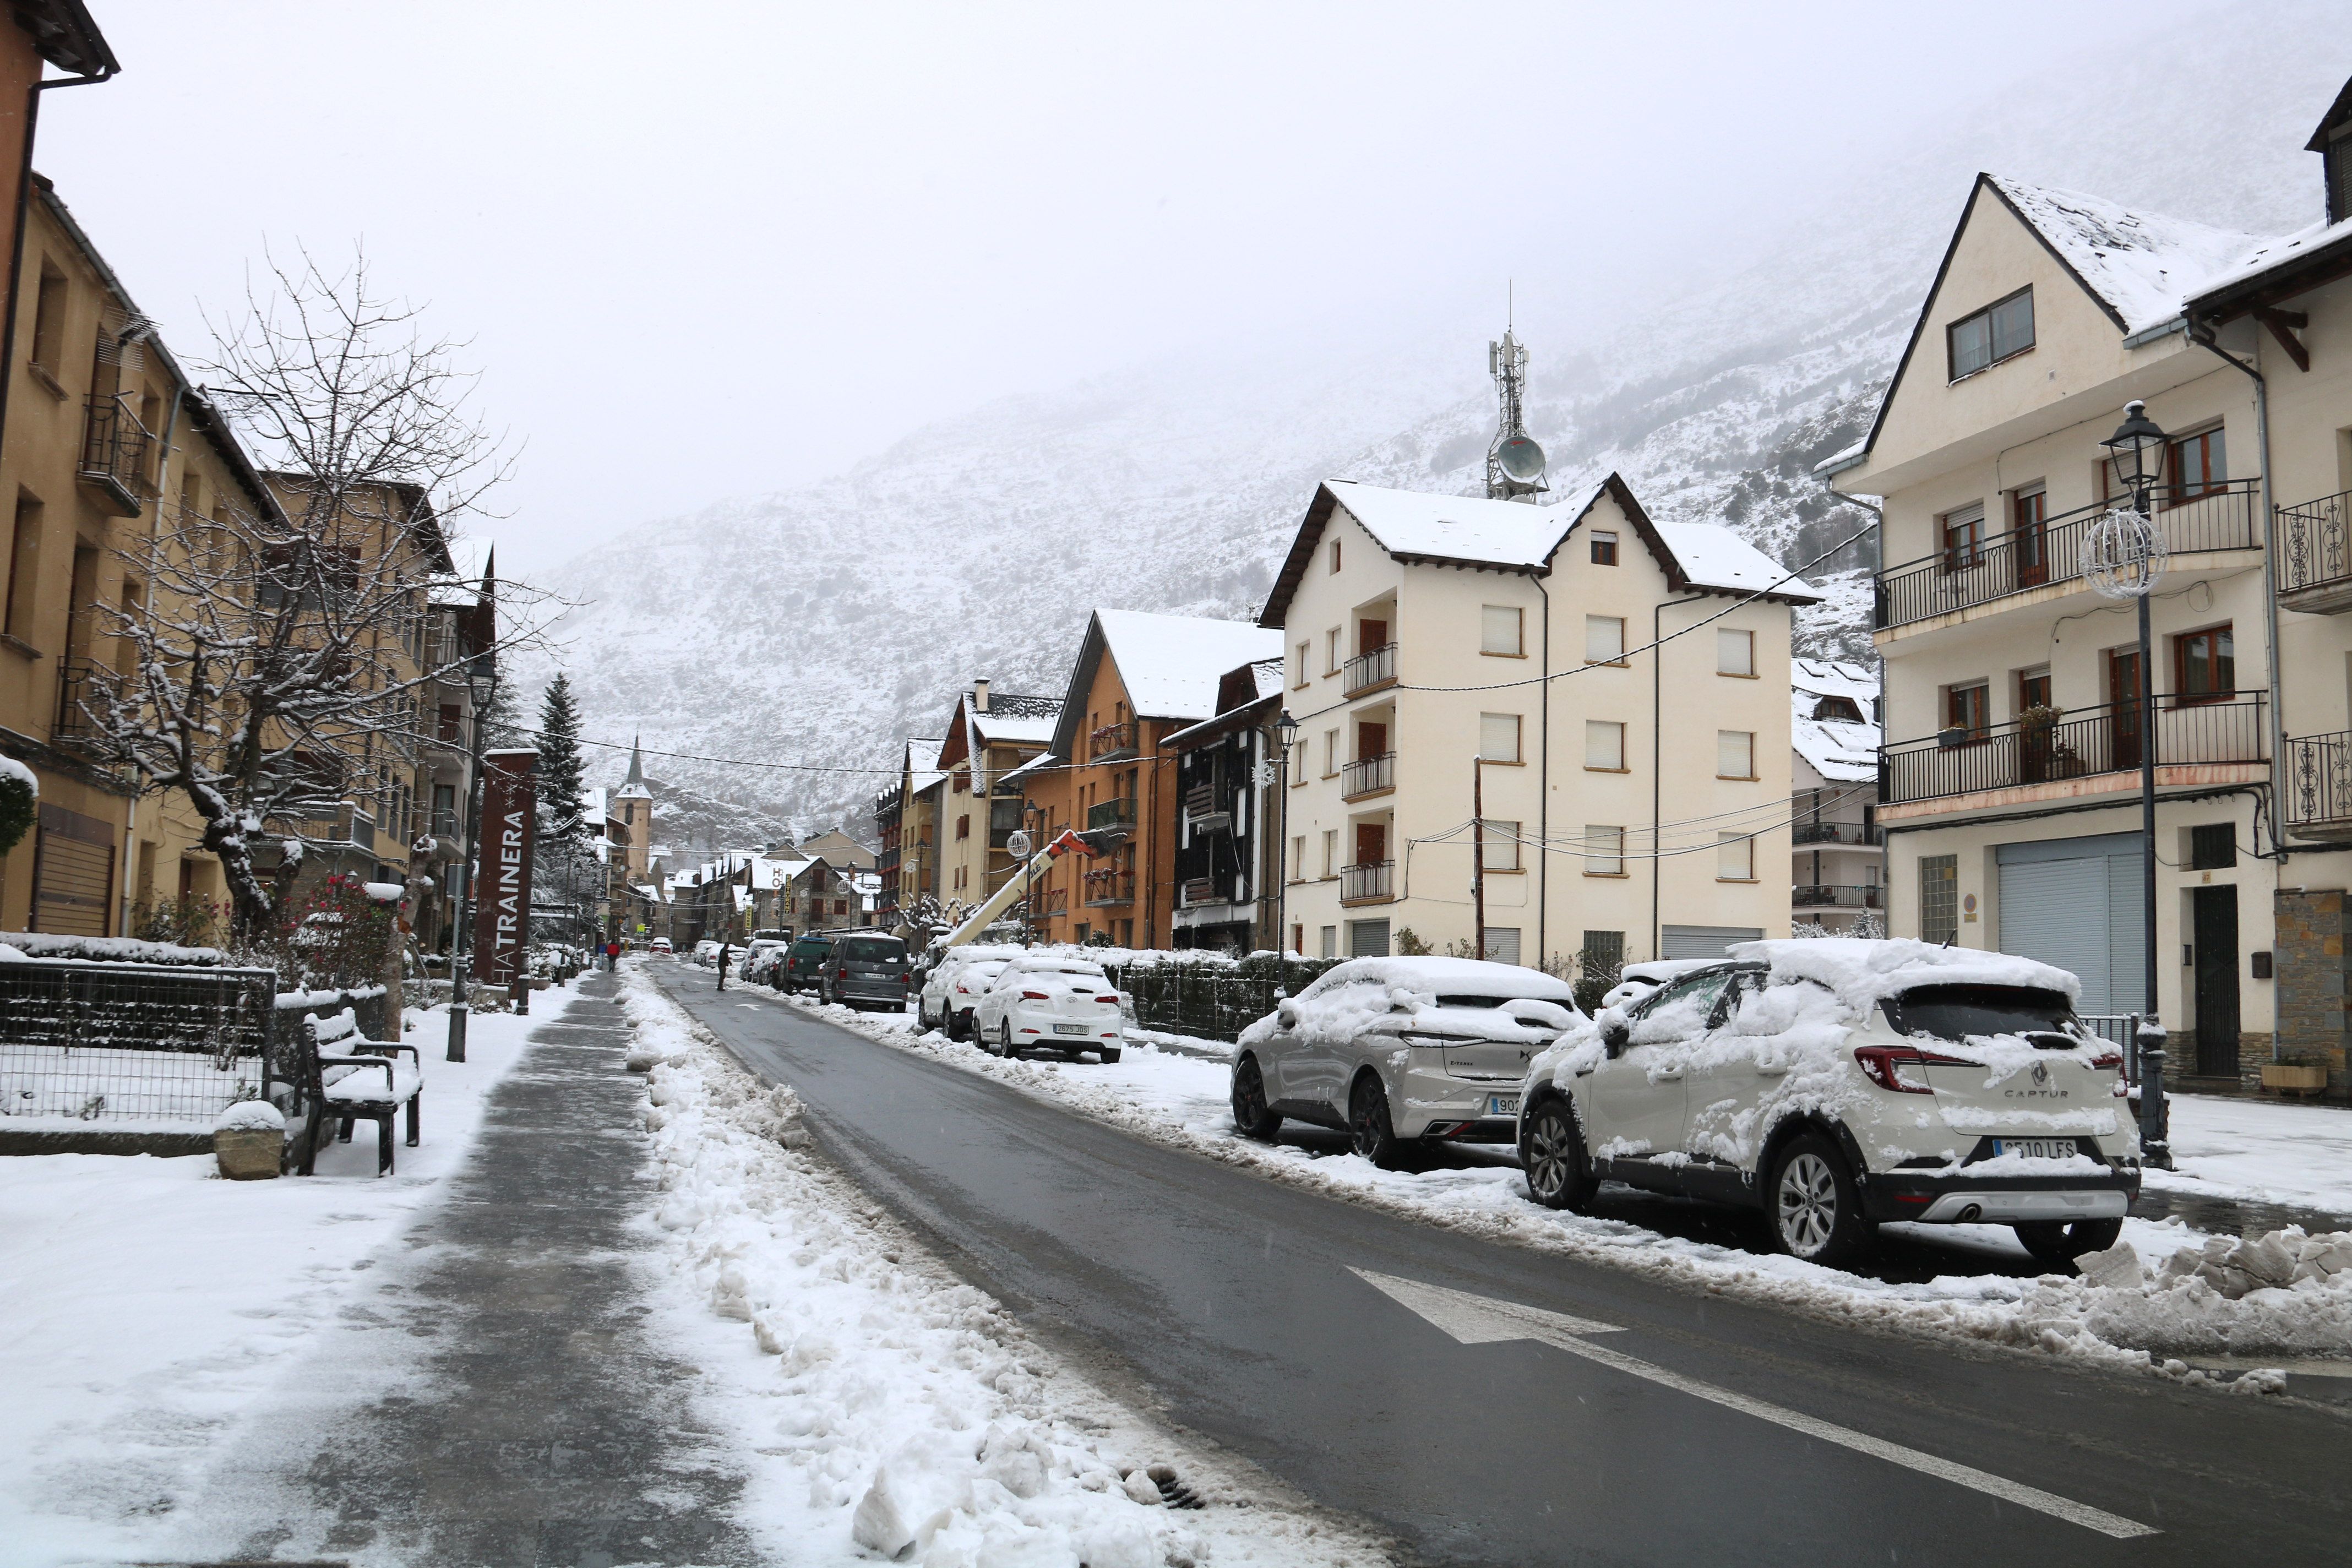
2142, 1311
2261, 1150
150, 1303
884, 1407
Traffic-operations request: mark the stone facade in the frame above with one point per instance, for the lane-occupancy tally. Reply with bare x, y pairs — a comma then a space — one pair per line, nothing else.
2312, 969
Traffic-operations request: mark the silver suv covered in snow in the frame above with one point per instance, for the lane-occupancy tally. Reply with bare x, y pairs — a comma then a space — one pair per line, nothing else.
1395, 1050
1838, 1082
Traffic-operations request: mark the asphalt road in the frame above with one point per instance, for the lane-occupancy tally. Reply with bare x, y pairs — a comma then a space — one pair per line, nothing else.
1233, 1303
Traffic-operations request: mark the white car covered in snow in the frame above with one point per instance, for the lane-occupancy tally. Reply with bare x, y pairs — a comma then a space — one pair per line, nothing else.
1391, 1050
1837, 1082
1038, 1001
955, 982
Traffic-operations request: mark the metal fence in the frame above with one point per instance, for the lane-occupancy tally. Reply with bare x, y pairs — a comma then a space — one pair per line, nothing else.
136, 1042
1212, 1001
2315, 546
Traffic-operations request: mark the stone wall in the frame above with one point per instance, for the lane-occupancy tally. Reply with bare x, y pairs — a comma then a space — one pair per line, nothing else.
2312, 970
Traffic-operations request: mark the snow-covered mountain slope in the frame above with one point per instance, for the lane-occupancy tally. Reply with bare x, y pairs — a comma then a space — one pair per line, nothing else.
815, 626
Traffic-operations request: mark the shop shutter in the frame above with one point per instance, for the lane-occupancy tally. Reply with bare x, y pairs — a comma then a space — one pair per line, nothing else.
1703, 942
73, 873
2076, 903
1503, 944
1367, 939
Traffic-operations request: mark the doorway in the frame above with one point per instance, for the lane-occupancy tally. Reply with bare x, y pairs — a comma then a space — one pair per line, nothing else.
2213, 945
2123, 693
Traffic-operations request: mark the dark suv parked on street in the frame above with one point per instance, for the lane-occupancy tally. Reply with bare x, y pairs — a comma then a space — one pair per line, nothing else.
803, 960
867, 969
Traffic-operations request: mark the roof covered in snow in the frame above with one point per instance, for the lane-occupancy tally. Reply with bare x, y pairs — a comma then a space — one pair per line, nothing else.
2141, 265
1170, 664
1416, 526
1841, 750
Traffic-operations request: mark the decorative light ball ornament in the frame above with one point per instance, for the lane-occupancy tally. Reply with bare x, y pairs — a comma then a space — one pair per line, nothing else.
2123, 554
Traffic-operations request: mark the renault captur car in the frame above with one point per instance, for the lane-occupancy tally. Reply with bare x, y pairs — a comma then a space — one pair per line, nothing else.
1395, 1050
1839, 1082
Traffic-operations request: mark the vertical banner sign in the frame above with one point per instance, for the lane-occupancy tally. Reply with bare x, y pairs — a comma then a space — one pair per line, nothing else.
502, 866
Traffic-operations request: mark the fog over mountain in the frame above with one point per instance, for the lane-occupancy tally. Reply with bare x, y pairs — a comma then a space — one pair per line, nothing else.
816, 625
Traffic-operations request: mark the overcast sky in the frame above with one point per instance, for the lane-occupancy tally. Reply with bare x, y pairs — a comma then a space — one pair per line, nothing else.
707, 250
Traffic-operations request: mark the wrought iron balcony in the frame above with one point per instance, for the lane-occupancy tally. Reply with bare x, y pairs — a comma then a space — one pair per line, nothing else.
1116, 812
1838, 833
1111, 742
1369, 671
2314, 557
1368, 775
1104, 888
2318, 786
114, 449
1957, 577
2075, 744
1367, 883
1837, 896
83, 684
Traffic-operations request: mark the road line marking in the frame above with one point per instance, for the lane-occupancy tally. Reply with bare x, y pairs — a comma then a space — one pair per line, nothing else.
1480, 1320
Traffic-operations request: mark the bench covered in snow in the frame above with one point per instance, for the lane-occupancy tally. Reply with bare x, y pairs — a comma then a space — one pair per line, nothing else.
353, 1078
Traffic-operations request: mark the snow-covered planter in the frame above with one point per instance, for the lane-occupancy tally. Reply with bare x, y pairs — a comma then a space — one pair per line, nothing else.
249, 1141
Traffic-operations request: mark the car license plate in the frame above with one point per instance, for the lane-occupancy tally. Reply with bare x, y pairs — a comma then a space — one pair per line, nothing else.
1502, 1105
1071, 1029
2036, 1148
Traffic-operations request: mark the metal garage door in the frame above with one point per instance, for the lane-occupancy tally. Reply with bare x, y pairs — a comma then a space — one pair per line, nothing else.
73, 873
1367, 939
1703, 942
2076, 903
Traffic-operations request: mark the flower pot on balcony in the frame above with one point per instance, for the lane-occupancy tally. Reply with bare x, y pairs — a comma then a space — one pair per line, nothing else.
2293, 1078
1957, 735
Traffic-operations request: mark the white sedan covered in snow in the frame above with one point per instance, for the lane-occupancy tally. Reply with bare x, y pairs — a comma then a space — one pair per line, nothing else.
1394, 1049
1038, 1001
1837, 1082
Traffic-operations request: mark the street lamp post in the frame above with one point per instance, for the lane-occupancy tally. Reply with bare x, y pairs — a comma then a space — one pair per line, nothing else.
482, 685
2123, 556
1285, 733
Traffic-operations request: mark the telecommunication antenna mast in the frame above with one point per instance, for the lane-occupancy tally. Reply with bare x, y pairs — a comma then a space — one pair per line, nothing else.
1514, 464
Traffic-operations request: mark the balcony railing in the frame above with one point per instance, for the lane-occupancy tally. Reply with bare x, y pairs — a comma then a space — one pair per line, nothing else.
1368, 775
1109, 887
114, 453
1053, 902
1956, 578
83, 684
2315, 549
1112, 741
2318, 786
1366, 883
1375, 666
1838, 833
1836, 896
1116, 812
1200, 890
2077, 744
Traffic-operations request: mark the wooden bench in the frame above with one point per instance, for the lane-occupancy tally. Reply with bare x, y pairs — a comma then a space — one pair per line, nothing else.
350, 1079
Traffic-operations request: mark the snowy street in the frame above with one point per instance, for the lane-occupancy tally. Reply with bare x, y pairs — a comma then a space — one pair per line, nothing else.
1244, 1308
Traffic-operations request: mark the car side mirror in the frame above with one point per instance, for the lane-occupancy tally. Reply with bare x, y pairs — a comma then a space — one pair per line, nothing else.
1286, 1015
1614, 1035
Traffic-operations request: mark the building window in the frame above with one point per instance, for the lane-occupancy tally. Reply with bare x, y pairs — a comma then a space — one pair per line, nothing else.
24, 570
2197, 464
1330, 942
1963, 537
50, 320
1604, 639
2205, 665
2000, 329
1735, 653
1298, 859
1604, 548
1499, 630
1604, 745
1605, 850
1502, 945
1964, 709
1331, 852
2034, 688
1330, 753
1335, 555
1502, 846
1299, 665
2213, 846
1498, 737
1331, 651
964, 825
1734, 857
1735, 753
1939, 899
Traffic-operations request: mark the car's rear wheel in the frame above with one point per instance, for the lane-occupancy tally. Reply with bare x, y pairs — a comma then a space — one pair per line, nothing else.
2055, 1244
1370, 1133
1552, 1150
1813, 1205
1109, 1053
1004, 1039
1252, 1117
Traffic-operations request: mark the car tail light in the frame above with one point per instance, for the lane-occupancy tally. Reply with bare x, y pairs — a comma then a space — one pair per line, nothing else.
2111, 1062
1901, 1068
841, 974
1034, 996
1112, 1000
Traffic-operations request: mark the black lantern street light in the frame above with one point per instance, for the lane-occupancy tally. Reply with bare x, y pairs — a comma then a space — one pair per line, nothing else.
2123, 556
1286, 734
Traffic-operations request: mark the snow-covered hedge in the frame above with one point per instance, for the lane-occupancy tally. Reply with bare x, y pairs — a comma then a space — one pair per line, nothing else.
108, 949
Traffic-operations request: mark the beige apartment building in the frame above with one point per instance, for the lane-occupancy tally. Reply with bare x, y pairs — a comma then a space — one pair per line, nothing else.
1635, 803
1839, 874
977, 804
2011, 784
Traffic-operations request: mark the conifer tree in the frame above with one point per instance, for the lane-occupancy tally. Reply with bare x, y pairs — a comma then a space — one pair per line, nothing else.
560, 781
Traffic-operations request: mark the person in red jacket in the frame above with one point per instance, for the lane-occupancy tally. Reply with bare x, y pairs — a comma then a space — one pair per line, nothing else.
612, 956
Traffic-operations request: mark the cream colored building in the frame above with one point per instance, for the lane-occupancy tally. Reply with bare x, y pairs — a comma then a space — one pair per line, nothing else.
1635, 802
978, 809
2010, 781
1839, 876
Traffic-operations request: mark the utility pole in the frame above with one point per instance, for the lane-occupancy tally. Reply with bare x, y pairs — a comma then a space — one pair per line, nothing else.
1478, 847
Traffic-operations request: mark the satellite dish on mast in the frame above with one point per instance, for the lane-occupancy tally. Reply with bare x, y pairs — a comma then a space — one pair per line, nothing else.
1522, 459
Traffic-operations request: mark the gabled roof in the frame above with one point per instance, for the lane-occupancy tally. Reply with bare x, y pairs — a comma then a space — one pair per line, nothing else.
1840, 750
67, 37
2139, 268
2337, 112
1010, 720
1246, 695
2275, 270
1419, 528
1167, 665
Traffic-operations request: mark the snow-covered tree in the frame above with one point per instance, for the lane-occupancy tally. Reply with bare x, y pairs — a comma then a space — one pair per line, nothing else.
560, 785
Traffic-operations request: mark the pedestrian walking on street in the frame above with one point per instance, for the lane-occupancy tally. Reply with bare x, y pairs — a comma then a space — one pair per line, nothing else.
724, 949
612, 956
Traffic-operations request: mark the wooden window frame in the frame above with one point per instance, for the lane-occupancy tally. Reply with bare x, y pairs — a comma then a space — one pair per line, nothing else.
1748, 674
1605, 547
1592, 767
1953, 373
2182, 697
1519, 632
1957, 557
1621, 661
1519, 757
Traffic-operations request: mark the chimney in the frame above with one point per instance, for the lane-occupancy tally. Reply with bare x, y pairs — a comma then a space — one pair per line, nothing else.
980, 696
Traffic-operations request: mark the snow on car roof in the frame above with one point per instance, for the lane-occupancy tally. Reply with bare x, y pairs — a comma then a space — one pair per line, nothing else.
1454, 977
1864, 970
